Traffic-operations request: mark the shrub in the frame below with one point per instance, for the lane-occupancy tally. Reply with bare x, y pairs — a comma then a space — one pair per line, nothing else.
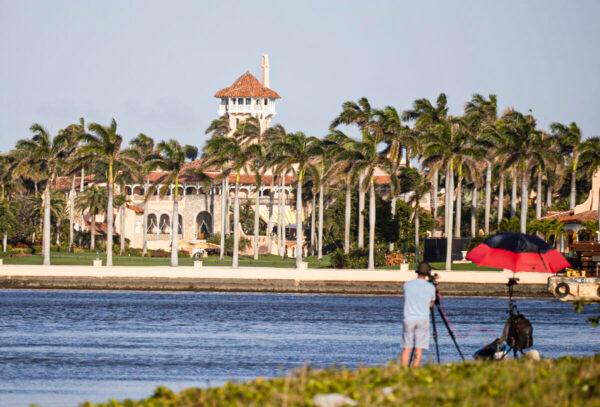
357, 258
159, 253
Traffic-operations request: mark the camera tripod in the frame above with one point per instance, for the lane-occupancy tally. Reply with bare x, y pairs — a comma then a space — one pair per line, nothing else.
438, 306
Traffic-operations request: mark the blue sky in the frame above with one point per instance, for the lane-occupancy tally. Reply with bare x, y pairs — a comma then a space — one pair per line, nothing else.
155, 66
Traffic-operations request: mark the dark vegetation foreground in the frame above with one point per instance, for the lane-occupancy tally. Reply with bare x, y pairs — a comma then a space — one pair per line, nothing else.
566, 381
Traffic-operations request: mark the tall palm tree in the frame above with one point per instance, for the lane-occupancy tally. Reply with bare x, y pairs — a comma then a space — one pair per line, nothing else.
105, 146
362, 115
481, 113
231, 153
144, 146
42, 157
569, 138
400, 141
447, 146
426, 116
522, 149
590, 161
92, 200
220, 128
366, 159
299, 152
171, 158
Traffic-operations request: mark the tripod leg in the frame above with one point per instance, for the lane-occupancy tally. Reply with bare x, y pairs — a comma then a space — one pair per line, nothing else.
450, 332
435, 335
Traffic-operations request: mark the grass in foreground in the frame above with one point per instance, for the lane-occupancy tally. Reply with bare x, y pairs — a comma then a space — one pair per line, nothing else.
86, 258
560, 382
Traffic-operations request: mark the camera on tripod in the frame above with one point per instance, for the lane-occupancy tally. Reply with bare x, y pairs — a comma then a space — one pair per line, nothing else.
433, 278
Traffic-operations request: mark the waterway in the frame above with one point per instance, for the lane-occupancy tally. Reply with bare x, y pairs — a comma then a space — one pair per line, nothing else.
60, 348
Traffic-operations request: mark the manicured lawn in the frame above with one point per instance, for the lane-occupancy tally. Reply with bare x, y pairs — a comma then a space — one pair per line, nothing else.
566, 381
79, 259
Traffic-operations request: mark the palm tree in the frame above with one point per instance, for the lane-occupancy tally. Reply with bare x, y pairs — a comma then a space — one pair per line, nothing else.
365, 159
400, 140
449, 145
569, 138
363, 116
229, 152
144, 146
299, 152
104, 146
41, 158
522, 148
426, 116
171, 157
419, 185
92, 200
481, 114
589, 159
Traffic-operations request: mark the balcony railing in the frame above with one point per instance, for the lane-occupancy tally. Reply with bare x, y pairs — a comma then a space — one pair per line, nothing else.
250, 109
162, 236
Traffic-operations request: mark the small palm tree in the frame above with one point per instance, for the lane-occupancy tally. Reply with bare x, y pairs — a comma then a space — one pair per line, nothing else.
92, 200
144, 146
105, 146
590, 162
42, 158
299, 152
171, 158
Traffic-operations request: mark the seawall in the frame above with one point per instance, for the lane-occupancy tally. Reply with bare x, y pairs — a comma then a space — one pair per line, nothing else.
254, 279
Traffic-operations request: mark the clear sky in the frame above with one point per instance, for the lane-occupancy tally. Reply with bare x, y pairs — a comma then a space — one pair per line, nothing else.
154, 66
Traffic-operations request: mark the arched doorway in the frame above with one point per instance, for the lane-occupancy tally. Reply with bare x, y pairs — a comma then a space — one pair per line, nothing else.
203, 225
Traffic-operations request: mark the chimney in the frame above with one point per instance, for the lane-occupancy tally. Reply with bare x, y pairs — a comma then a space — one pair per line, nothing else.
265, 70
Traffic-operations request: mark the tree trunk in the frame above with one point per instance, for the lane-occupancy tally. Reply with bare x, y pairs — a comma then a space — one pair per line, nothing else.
538, 198
46, 226
488, 198
474, 212
122, 230
347, 216
513, 195
393, 211
320, 228
4, 243
82, 180
280, 219
145, 223
227, 204
236, 223
372, 224
72, 215
313, 219
93, 232
256, 223
573, 196
270, 220
417, 225
598, 212
548, 196
524, 202
449, 204
174, 230
434, 196
361, 216
284, 220
223, 219
457, 231
501, 199
109, 222
299, 240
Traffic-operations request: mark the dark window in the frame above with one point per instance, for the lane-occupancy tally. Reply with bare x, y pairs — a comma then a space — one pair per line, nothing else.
233, 101
266, 101
248, 101
240, 101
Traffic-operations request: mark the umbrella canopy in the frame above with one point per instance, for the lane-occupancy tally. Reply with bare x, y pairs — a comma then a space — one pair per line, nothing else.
518, 252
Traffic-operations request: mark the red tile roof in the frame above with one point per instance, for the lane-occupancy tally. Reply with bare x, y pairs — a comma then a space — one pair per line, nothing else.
247, 86
570, 217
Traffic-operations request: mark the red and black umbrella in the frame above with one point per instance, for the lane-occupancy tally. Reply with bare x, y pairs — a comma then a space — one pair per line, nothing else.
518, 252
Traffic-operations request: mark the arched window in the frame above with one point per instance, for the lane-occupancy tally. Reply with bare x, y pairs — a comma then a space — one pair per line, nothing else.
165, 224
203, 225
180, 225
152, 224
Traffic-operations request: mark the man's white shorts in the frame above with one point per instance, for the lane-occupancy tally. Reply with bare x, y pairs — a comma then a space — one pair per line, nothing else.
416, 334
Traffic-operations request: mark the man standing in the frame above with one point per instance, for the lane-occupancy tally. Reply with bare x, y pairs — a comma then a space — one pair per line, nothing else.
419, 297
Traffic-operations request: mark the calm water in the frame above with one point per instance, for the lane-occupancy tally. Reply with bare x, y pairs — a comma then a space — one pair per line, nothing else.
59, 348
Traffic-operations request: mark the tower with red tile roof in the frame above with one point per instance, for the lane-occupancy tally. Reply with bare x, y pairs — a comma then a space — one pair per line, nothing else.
249, 97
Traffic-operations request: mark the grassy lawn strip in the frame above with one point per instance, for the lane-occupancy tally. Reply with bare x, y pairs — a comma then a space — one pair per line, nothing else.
86, 258
560, 382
